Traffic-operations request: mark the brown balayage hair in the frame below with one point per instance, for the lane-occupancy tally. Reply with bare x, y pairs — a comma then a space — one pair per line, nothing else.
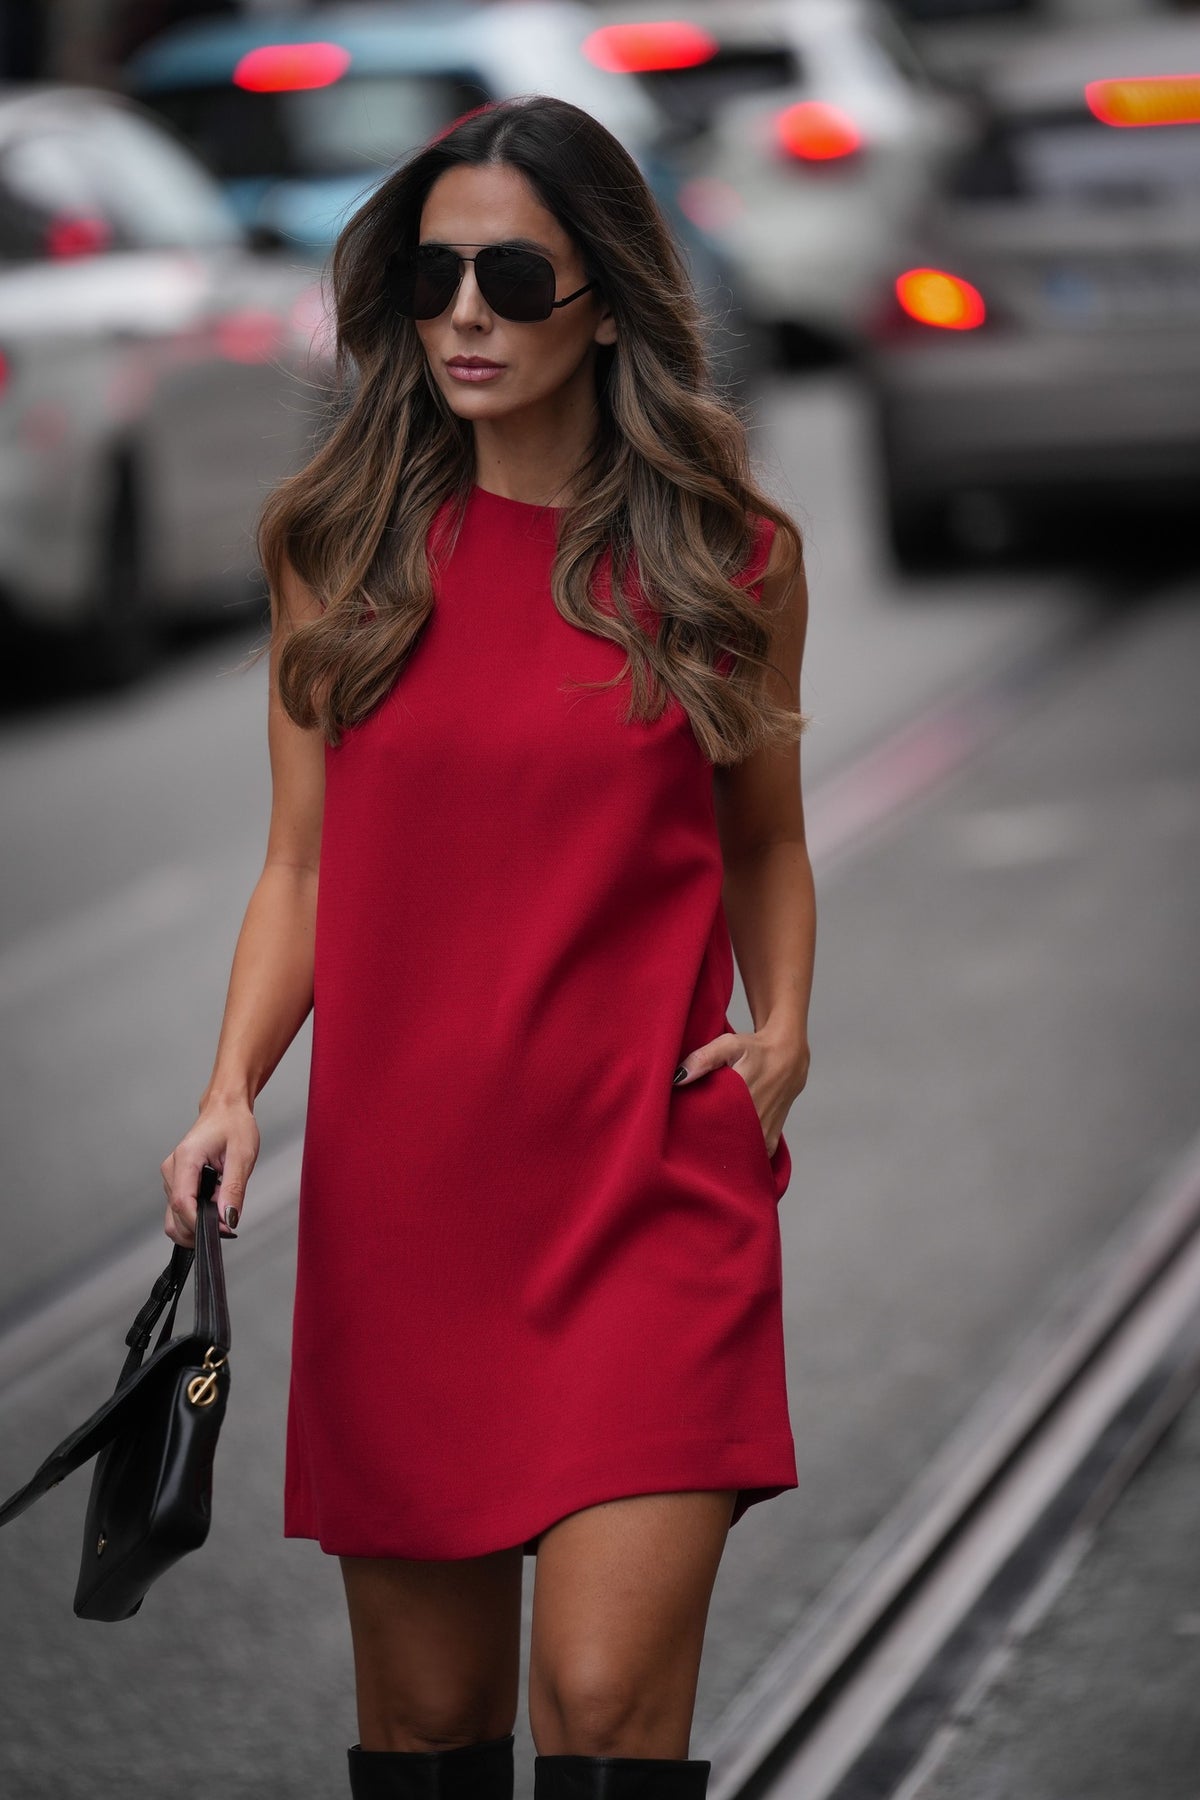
666, 488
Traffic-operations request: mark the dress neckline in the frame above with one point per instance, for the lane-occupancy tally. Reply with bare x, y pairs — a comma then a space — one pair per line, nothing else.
529, 506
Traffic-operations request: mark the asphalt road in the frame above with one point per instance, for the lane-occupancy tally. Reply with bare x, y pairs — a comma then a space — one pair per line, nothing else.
1004, 1036
1095, 1699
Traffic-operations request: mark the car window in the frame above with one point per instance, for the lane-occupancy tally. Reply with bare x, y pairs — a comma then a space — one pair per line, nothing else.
885, 37
111, 182
691, 95
351, 127
1074, 158
152, 188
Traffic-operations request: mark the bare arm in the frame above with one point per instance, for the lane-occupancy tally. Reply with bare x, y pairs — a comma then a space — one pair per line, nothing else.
271, 982
768, 890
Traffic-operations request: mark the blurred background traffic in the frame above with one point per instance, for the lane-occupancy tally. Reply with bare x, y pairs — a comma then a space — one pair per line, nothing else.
989, 208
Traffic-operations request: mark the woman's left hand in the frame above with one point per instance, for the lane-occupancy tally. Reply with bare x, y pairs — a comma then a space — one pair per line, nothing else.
773, 1070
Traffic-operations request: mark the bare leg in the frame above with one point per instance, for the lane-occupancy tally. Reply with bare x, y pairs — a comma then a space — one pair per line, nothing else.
437, 1648
620, 1603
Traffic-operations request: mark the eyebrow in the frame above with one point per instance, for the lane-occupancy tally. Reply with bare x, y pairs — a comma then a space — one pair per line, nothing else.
512, 243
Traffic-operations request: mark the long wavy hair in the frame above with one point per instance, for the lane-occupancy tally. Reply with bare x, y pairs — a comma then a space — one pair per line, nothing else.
661, 513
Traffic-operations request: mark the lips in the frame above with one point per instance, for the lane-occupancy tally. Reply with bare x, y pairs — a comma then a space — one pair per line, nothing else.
474, 369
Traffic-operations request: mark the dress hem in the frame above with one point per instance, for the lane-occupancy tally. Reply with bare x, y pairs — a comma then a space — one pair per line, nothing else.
759, 1470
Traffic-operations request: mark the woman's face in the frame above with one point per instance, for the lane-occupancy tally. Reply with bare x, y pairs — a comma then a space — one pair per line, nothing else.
494, 204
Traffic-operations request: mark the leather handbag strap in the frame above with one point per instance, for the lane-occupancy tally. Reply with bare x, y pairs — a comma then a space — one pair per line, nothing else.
211, 1325
211, 1319
212, 1307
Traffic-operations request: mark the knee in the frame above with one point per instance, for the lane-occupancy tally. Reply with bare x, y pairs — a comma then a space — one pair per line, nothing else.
595, 1709
395, 1722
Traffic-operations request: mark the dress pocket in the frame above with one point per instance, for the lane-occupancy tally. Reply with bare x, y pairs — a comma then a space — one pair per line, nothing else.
752, 1120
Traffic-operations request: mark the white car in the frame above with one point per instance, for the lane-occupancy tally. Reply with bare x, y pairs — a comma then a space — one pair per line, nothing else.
811, 133
155, 378
1036, 347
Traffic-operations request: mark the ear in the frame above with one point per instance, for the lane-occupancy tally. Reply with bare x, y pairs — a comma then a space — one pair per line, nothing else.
606, 330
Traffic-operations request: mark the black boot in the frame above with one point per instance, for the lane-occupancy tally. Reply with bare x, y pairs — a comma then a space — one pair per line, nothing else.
619, 1778
468, 1772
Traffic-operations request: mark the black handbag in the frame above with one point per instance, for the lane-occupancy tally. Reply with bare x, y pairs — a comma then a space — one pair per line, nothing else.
151, 1494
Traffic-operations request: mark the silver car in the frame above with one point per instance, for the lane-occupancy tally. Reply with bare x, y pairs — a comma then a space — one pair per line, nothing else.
809, 131
1038, 345
156, 375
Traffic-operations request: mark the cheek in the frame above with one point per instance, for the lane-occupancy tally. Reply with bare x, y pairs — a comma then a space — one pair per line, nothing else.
546, 360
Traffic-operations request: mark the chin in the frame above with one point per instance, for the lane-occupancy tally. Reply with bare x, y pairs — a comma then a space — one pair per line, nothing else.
479, 403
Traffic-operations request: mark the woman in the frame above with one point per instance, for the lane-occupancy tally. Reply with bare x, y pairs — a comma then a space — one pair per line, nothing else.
536, 643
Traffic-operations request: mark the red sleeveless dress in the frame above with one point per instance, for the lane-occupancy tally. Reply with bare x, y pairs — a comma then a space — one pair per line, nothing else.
532, 1274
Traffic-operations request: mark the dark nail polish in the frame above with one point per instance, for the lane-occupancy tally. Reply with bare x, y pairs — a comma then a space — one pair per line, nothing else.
680, 1073
231, 1216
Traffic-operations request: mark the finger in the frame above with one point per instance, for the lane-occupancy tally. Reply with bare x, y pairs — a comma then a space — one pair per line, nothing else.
176, 1229
181, 1202
707, 1057
231, 1194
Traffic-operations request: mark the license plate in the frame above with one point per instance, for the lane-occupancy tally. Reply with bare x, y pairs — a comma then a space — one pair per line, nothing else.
1131, 294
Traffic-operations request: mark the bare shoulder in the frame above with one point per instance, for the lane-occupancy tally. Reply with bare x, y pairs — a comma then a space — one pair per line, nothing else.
785, 598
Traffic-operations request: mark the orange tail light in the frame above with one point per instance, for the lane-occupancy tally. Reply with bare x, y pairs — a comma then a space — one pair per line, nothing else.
814, 131
935, 297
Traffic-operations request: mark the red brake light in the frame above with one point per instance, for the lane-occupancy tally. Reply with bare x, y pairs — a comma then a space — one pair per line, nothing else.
77, 234
277, 68
933, 297
814, 131
658, 44
1146, 100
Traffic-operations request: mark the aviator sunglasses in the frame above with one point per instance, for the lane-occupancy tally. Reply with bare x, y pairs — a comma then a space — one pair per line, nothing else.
516, 284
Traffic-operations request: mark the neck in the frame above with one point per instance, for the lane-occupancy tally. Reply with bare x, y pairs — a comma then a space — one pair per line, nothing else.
532, 454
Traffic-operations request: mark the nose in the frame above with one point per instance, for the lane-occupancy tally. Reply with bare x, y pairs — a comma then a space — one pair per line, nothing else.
469, 309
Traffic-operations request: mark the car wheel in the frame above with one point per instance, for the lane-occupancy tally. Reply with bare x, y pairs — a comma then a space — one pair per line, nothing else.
119, 639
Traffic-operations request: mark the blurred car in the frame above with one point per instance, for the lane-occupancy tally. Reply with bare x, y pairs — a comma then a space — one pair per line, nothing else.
1039, 342
301, 116
809, 131
153, 376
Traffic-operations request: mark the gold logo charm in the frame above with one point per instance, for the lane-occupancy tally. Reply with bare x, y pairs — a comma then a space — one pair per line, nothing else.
100, 1543
202, 1389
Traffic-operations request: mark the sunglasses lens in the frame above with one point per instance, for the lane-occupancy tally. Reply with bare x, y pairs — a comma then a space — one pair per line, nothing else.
424, 282
517, 284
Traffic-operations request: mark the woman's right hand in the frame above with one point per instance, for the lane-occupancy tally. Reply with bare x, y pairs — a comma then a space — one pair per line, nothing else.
226, 1136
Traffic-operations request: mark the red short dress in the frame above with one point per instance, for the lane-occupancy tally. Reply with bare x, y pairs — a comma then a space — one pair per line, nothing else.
532, 1274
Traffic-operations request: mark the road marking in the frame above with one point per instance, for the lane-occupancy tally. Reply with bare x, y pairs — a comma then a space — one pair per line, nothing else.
847, 811
1106, 1328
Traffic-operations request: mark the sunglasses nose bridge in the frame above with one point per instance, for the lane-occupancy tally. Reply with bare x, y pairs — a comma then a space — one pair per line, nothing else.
467, 301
